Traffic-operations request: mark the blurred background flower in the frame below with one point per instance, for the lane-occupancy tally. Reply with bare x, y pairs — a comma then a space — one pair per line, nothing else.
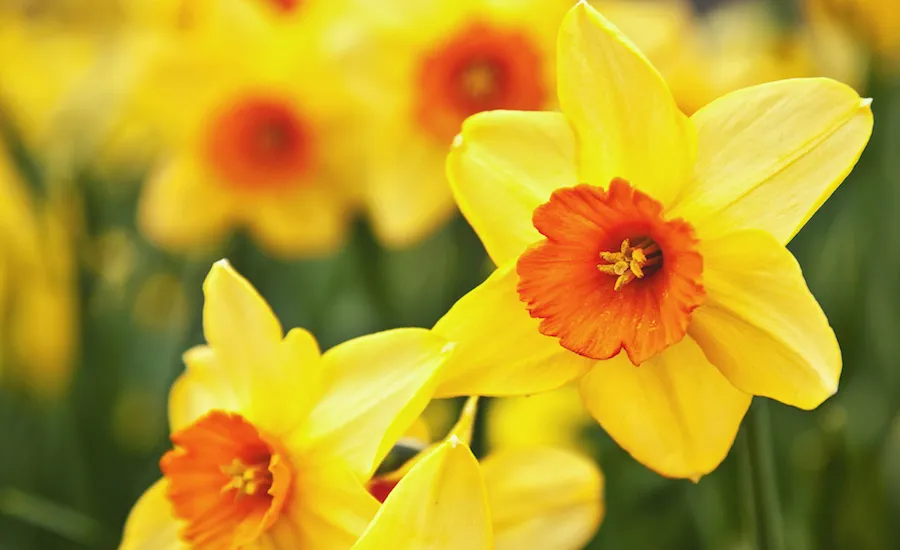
305, 141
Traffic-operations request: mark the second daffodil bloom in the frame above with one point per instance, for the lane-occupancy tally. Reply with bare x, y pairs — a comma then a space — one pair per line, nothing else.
273, 441
254, 137
644, 251
438, 63
537, 499
540, 498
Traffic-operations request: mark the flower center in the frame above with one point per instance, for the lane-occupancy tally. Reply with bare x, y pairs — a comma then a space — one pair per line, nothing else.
631, 299
631, 262
285, 6
259, 143
478, 68
227, 481
248, 479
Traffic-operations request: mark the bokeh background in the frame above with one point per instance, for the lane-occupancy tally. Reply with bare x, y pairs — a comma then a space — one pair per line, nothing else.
101, 271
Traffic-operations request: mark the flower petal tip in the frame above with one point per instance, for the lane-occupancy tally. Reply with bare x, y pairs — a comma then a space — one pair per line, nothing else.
220, 269
583, 9
865, 103
454, 441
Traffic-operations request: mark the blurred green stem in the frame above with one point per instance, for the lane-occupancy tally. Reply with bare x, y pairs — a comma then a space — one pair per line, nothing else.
763, 484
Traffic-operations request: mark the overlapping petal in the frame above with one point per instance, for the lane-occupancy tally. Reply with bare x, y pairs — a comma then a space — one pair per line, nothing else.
761, 326
499, 350
151, 525
329, 508
502, 166
242, 330
277, 395
441, 504
675, 413
204, 386
769, 156
375, 387
626, 119
543, 499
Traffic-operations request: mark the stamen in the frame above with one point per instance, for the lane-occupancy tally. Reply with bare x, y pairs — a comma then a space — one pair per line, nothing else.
480, 80
253, 479
630, 262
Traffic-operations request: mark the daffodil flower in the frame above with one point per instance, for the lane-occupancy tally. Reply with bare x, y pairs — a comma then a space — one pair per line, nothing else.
38, 289
643, 251
273, 441
426, 67
257, 139
541, 498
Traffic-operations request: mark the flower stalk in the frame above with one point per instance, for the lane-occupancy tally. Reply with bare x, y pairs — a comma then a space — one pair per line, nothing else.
763, 486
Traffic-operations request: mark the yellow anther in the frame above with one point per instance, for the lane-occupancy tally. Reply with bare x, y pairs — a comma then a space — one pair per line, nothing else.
636, 268
246, 479
628, 264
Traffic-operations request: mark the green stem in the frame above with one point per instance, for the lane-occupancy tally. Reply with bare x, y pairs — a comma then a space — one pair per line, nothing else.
746, 492
769, 526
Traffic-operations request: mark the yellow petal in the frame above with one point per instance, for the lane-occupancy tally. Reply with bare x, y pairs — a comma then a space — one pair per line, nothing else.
556, 418
241, 329
204, 386
285, 392
329, 509
543, 499
498, 349
150, 524
310, 221
761, 326
626, 119
407, 196
439, 505
502, 166
675, 413
375, 388
769, 156
182, 208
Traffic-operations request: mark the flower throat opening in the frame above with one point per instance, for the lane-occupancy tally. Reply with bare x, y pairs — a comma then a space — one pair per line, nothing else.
632, 261
612, 274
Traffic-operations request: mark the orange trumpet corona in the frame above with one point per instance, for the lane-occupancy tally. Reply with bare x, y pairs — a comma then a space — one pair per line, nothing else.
227, 481
612, 273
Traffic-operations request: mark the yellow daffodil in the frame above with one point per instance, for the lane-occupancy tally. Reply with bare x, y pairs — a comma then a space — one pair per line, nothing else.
732, 46
272, 441
255, 137
621, 225
873, 22
39, 280
42, 61
427, 66
541, 498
